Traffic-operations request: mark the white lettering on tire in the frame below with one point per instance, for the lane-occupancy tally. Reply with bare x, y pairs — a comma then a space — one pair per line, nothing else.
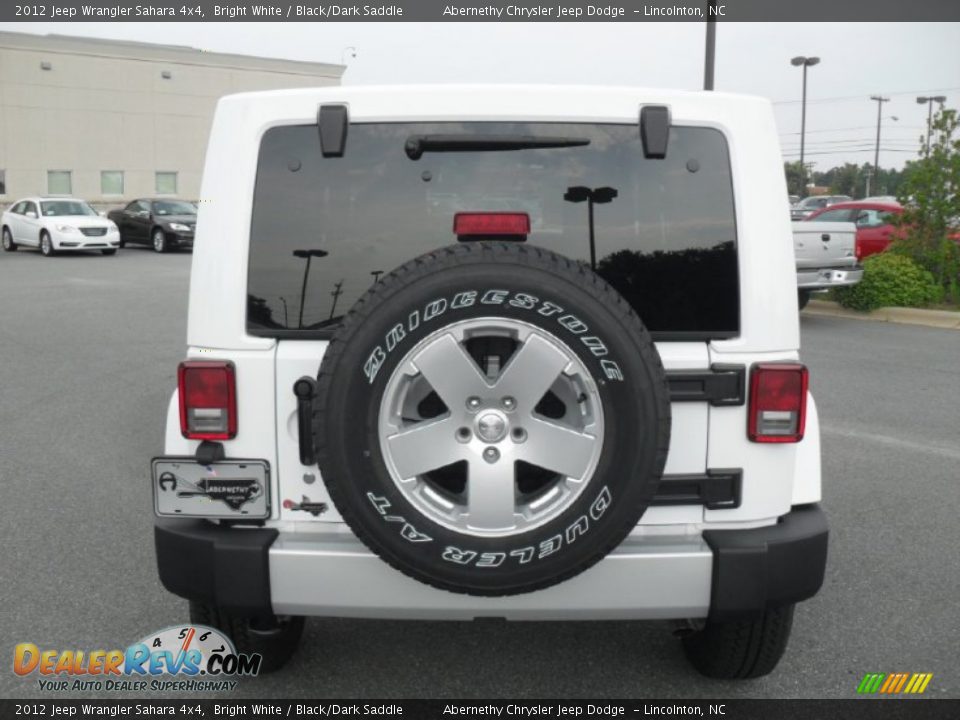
458, 556
396, 334
407, 530
435, 309
463, 299
494, 297
545, 548
467, 298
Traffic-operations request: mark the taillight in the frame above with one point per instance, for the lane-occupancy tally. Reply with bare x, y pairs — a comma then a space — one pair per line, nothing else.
467, 224
778, 402
208, 399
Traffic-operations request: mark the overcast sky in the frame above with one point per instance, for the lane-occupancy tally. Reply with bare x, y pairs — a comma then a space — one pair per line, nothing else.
898, 60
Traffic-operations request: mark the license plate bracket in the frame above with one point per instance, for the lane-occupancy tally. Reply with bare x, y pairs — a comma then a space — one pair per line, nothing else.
236, 489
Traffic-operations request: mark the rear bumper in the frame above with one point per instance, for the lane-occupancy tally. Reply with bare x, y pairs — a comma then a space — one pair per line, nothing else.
725, 574
826, 278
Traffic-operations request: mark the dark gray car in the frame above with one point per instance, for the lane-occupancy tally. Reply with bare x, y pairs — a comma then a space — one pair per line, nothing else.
161, 223
813, 203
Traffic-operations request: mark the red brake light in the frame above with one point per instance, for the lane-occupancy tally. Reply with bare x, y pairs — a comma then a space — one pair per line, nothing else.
778, 402
491, 223
208, 399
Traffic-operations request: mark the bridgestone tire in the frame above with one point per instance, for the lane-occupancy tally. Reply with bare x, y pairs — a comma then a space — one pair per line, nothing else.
524, 286
276, 639
740, 650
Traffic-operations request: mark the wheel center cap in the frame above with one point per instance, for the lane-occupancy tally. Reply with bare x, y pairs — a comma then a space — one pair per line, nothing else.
491, 427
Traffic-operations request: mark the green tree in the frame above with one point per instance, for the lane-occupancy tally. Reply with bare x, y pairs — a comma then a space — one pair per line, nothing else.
930, 193
793, 171
844, 180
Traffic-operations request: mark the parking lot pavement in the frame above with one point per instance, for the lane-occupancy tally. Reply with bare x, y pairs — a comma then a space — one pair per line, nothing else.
88, 351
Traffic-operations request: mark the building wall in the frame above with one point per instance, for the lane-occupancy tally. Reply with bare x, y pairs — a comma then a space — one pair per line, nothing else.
105, 105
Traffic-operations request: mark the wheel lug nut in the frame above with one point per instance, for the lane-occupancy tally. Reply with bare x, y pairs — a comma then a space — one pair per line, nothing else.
491, 455
518, 434
463, 434
508, 403
473, 403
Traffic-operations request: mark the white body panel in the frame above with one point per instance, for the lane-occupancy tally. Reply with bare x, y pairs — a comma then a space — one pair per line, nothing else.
317, 566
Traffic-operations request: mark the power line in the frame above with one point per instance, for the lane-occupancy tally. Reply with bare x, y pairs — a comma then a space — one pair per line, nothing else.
794, 153
850, 140
859, 127
863, 96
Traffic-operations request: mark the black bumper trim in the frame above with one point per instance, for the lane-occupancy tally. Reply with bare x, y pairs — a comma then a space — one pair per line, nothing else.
768, 567
214, 564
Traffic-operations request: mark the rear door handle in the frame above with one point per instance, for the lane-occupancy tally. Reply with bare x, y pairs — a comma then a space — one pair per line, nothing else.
305, 388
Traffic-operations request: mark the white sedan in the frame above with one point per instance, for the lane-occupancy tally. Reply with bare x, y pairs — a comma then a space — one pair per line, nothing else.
55, 224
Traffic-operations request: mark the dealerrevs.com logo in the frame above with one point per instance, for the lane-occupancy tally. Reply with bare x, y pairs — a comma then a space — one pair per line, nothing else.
200, 658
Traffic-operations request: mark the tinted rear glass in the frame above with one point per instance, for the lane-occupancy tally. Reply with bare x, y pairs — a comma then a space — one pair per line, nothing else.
667, 241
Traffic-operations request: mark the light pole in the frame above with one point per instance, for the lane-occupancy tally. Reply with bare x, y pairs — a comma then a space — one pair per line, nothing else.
711, 48
880, 100
599, 196
941, 99
805, 62
309, 255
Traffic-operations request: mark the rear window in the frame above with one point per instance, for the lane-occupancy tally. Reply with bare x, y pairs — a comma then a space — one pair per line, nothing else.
666, 241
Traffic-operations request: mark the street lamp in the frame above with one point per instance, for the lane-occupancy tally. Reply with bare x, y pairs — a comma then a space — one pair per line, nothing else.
599, 196
805, 62
941, 99
879, 100
343, 54
309, 255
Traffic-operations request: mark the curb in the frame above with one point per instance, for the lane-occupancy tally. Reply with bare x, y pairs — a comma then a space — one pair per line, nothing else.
943, 319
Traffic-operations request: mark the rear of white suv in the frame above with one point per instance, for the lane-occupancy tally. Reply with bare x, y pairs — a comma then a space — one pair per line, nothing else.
494, 352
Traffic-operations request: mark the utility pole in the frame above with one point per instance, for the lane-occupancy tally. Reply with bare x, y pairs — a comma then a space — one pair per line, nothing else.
805, 62
880, 100
711, 48
337, 292
941, 99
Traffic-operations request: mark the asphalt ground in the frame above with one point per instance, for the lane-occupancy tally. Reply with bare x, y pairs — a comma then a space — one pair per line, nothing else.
88, 351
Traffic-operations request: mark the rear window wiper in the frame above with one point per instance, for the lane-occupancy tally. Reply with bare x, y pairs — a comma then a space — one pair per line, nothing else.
417, 145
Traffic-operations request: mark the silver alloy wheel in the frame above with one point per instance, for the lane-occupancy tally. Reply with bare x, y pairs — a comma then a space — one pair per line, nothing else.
513, 467
159, 241
46, 245
7, 239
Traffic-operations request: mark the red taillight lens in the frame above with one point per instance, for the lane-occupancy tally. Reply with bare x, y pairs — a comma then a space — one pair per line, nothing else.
208, 399
491, 223
778, 402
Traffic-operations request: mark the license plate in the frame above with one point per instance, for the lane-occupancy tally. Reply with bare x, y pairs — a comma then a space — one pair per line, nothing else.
182, 487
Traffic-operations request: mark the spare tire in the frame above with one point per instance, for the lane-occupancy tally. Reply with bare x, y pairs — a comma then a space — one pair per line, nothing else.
491, 418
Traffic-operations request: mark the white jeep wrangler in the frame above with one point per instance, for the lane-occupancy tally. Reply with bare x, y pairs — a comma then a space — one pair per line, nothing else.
516, 352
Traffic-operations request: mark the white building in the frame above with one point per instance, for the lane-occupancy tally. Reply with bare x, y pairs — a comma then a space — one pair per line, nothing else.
110, 121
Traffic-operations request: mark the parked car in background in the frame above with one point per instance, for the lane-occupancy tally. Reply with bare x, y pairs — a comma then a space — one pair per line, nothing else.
875, 221
825, 257
161, 223
56, 224
811, 204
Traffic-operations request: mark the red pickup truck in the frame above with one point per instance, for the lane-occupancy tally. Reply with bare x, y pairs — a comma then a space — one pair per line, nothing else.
875, 231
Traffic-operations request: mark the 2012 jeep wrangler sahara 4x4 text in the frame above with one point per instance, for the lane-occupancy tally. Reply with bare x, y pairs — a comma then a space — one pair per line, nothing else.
516, 352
